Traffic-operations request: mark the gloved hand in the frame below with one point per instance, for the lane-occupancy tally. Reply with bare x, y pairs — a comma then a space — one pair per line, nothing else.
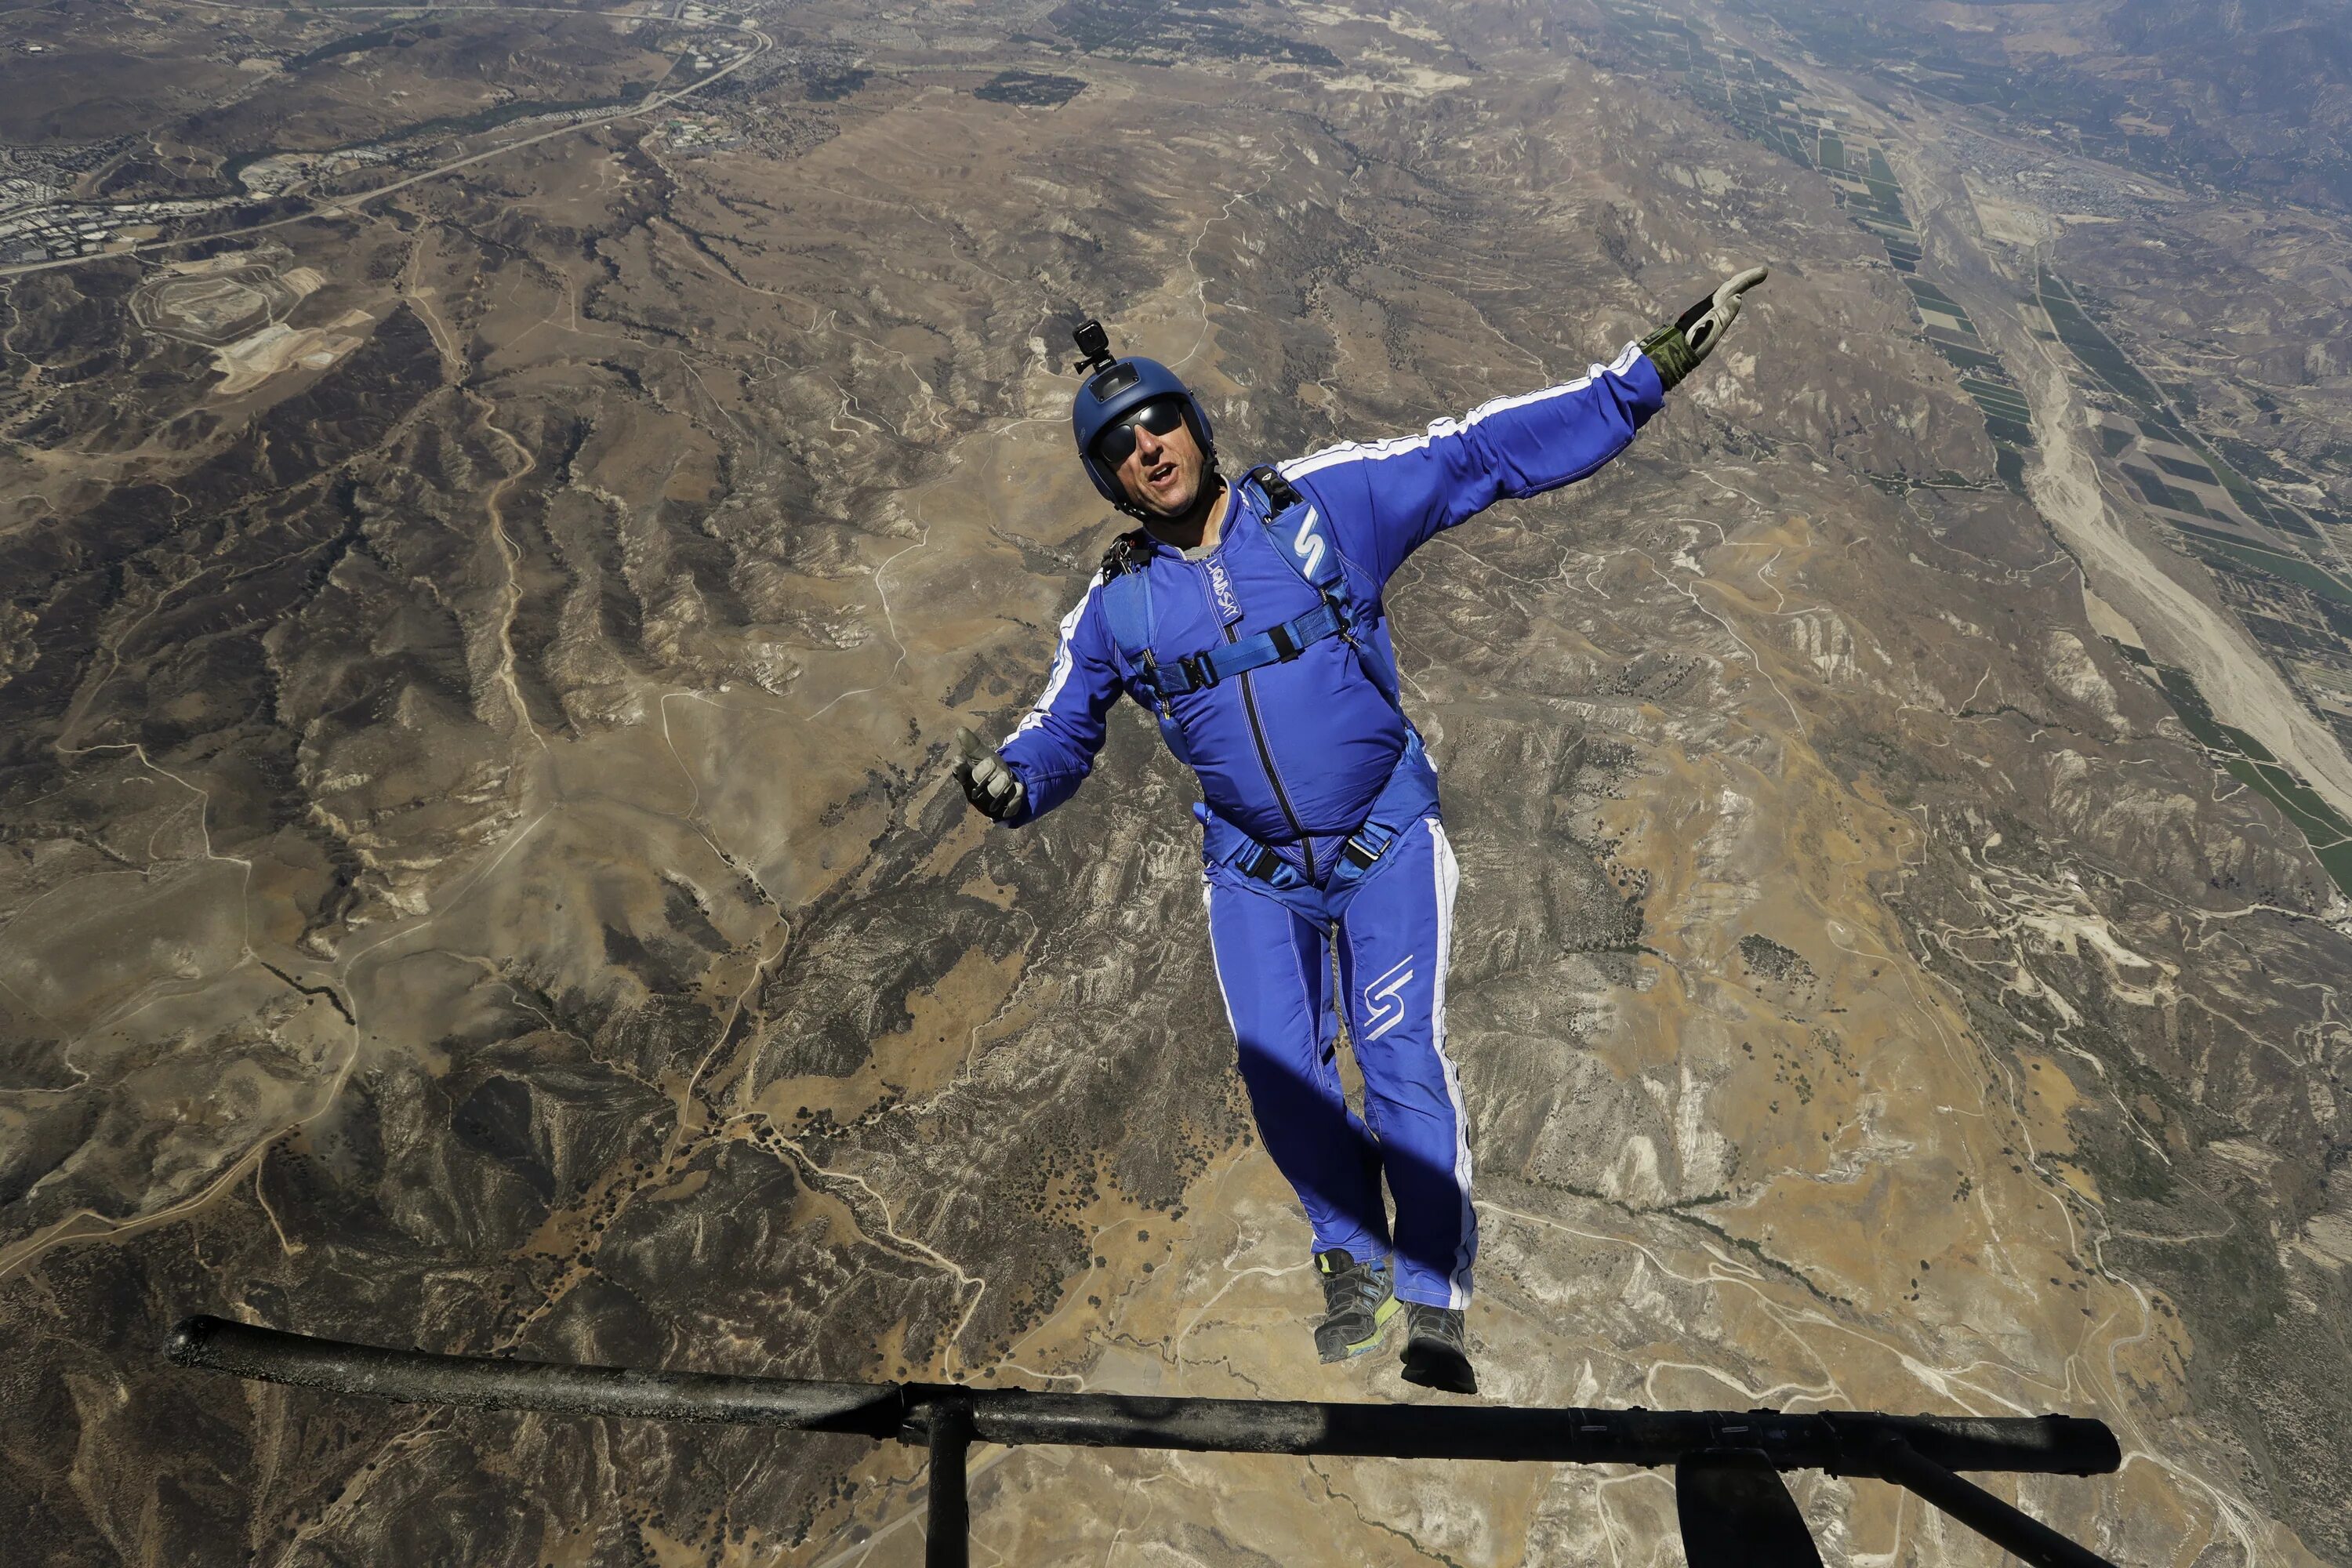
1676, 349
993, 789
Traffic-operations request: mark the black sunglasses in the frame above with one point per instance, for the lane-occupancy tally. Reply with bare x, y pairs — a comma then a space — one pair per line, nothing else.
1161, 417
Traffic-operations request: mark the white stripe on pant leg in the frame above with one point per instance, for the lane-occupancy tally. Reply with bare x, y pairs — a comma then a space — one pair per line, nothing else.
1208, 902
1448, 879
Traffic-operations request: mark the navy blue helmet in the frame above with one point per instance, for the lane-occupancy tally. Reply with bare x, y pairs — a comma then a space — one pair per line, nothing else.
1115, 389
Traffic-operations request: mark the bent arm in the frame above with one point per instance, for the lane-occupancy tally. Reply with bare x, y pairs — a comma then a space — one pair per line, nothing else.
1053, 748
1386, 498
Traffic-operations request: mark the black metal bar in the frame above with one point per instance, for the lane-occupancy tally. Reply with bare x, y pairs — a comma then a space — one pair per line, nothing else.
2020, 1534
947, 1534
1843, 1443
488, 1382
1725, 1456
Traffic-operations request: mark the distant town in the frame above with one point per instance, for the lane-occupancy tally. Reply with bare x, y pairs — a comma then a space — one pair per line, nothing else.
42, 222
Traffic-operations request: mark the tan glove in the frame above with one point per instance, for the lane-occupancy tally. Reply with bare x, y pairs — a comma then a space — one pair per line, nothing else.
993, 789
1676, 349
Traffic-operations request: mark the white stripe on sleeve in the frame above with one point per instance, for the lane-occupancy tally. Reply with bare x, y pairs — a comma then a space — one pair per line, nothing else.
1060, 675
1398, 445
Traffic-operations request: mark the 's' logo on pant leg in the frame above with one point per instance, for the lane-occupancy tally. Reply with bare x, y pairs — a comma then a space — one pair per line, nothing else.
1384, 1007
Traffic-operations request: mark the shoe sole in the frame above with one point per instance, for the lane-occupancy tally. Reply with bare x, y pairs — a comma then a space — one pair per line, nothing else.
1440, 1367
1380, 1316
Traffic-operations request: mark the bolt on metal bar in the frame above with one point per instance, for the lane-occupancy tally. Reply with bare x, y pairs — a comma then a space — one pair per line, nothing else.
1919, 1452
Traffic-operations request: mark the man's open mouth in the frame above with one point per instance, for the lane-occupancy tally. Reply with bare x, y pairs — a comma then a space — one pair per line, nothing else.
1161, 474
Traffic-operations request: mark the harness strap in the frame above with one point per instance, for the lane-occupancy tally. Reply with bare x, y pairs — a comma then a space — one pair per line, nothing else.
1358, 854
1403, 801
1320, 569
1127, 605
1290, 523
1198, 672
1365, 845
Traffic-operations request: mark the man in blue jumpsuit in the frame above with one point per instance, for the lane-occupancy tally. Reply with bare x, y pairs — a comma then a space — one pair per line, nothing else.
1248, 617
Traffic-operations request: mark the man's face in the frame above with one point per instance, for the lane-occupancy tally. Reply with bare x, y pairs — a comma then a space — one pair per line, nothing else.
1162, 475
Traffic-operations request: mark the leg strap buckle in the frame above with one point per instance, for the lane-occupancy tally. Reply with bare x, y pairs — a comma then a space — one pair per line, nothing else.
1366, 845
1261, 863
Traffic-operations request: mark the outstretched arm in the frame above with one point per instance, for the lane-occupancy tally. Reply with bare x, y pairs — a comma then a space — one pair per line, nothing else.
1053, 749
1386, 498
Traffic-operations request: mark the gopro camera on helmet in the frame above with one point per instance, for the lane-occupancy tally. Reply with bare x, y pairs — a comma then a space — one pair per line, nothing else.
1110, 376
1093, 344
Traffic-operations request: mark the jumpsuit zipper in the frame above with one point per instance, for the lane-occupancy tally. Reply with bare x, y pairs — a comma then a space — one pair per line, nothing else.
1265, 756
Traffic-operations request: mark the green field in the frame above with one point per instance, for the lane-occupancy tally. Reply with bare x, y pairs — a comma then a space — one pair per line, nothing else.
1986, 391
2251, 762
2320, 827
2291, 568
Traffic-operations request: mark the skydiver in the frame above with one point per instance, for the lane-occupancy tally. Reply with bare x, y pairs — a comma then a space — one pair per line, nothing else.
1247, 618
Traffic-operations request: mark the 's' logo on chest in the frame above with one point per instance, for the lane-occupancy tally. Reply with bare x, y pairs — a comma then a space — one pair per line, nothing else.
1307, 545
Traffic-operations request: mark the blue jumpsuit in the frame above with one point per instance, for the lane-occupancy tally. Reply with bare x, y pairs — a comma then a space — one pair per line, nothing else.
1295, 757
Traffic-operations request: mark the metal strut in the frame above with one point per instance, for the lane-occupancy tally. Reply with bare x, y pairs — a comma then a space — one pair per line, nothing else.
947, 1532
2019, 1534
1726, 1460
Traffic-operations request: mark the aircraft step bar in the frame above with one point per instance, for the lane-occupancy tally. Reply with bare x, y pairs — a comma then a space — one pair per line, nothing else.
1736, 1511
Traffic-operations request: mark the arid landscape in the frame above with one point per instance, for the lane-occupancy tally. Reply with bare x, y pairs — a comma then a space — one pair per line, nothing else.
464, 467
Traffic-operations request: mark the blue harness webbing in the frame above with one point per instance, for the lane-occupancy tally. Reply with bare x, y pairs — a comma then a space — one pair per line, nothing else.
1198, 671
1403, 801
1127, 608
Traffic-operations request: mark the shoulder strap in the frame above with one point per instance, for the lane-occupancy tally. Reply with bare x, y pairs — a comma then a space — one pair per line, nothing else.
1301, 537
1299, 534
1127, 599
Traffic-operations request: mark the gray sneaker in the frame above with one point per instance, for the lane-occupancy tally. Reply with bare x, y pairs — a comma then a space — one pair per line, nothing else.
1437, 1349
1358, 1305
